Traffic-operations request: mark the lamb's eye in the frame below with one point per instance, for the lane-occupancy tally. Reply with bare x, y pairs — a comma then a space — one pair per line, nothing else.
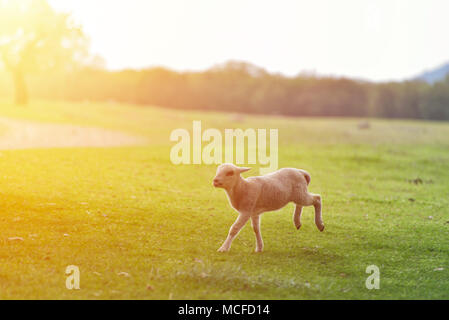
230, 174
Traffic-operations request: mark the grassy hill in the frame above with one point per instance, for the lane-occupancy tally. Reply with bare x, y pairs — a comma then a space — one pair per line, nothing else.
139, 227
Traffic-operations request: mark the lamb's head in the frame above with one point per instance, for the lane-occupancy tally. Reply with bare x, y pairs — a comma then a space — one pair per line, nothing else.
228, 175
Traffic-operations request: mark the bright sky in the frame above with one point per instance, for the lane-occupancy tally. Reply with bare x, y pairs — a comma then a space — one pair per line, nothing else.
370, 39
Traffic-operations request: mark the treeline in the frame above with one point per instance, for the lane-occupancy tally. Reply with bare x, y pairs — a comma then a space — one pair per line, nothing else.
242, 87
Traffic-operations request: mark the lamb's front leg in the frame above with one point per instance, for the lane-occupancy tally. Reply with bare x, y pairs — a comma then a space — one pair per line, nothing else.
234, 231
255, 221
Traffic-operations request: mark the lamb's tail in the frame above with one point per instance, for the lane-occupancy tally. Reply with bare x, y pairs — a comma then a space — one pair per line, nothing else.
307, 176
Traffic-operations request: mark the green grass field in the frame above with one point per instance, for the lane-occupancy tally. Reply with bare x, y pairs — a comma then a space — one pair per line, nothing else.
139, 227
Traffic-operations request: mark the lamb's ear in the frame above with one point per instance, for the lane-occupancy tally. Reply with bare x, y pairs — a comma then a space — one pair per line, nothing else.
242, 170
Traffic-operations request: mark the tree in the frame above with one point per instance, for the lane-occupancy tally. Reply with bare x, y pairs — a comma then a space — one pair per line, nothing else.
34, 37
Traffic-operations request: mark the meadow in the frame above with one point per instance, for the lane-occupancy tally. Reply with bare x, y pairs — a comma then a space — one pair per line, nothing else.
139, 227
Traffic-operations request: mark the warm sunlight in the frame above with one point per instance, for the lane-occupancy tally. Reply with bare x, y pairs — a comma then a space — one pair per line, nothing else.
238, 150
375, 40
34, 37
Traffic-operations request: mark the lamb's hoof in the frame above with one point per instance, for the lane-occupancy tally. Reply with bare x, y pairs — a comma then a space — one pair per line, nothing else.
298, 227
223, 249
258, 251
321, 228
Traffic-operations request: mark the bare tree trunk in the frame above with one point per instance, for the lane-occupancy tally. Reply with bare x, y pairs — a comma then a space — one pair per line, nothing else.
21, 90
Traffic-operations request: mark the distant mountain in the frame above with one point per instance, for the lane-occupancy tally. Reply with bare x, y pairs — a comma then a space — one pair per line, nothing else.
435, 75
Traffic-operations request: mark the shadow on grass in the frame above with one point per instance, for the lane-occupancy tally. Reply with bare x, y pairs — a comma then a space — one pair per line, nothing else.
254, 272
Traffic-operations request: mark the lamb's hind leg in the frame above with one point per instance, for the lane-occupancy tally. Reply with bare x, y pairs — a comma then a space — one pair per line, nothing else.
318, 215
315, 200
297, 216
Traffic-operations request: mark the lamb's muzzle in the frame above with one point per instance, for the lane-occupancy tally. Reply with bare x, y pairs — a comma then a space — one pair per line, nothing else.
253, 196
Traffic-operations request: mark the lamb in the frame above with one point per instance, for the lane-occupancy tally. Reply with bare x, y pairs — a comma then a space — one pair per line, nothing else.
253, 196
